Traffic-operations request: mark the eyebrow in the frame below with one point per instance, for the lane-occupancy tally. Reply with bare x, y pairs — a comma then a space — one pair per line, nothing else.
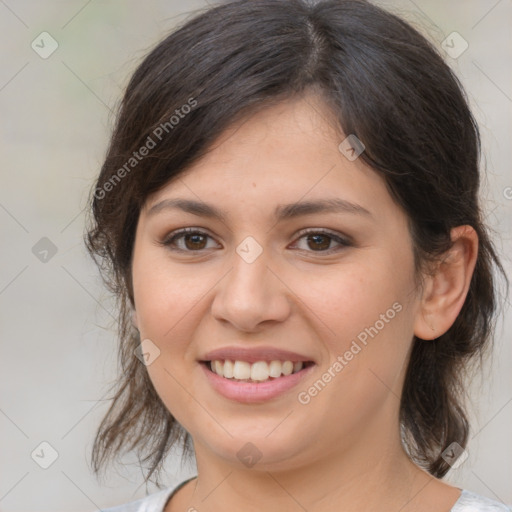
281, 212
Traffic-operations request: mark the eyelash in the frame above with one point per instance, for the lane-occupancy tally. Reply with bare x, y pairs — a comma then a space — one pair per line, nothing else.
170, 239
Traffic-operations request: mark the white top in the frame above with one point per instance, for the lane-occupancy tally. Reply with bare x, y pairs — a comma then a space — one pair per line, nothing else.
156, 502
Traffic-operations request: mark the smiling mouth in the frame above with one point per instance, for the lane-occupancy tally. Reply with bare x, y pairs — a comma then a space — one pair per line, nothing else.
259, 371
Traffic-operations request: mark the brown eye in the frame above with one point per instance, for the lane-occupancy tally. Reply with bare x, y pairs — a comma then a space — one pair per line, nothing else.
187, 240
194, 241
320, 241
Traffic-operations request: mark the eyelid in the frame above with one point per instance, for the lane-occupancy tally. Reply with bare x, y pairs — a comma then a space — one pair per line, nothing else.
347, 240
184, 231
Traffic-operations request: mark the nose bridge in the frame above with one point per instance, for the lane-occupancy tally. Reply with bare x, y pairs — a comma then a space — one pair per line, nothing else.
250, 293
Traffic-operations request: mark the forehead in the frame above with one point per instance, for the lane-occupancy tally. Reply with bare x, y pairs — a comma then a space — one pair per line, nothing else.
282, 154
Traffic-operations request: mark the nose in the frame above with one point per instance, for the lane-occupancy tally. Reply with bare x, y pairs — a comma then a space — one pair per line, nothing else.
250, 295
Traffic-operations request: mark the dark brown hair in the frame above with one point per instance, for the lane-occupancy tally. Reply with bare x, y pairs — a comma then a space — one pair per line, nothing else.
386, 84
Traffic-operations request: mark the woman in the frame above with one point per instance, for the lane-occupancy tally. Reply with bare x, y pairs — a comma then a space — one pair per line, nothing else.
288, 213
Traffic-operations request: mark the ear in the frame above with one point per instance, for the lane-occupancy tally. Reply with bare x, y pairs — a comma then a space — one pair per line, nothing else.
446, 289
135, 323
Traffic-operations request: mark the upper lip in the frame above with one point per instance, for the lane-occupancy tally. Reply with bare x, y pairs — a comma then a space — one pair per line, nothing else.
252, 355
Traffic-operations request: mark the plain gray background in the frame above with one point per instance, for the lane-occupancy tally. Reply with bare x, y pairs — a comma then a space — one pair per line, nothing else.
56, 321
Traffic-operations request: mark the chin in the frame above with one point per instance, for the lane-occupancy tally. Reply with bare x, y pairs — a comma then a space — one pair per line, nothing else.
259, 451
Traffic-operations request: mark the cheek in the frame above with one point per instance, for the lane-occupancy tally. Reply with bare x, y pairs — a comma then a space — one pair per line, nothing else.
167, 301
352, 299
165, 295
364, 323
362, 314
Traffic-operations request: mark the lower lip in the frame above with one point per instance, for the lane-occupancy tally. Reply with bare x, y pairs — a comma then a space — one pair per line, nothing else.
250, 392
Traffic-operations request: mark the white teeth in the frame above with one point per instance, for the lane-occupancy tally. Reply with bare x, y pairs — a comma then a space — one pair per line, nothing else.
259, 371
228, 369
275, 369
287, 368
217, 365
241, 370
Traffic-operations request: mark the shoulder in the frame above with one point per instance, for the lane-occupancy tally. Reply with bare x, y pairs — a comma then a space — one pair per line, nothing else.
154, 502
472, 502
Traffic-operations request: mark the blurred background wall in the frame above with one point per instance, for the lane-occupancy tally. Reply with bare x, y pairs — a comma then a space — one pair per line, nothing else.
64, 65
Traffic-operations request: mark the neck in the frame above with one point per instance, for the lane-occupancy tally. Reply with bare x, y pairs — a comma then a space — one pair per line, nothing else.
374, 475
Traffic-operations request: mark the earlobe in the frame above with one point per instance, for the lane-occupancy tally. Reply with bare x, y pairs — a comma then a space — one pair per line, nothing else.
446, 289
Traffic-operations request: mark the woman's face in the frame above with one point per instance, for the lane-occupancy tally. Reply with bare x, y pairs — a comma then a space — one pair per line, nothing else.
278, 277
